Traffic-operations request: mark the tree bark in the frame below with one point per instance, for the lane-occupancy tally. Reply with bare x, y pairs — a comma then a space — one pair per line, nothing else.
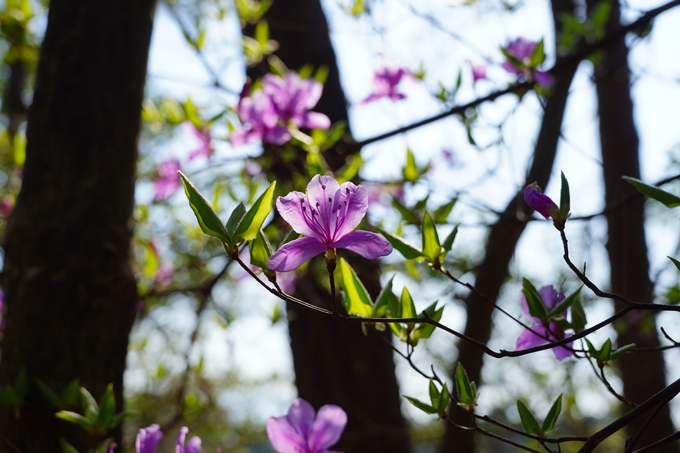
501, 243
70, 291
334, 362
642, 374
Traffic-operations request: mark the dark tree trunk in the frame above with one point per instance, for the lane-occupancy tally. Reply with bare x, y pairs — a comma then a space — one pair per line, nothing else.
642, 374
334, 362
503, 238
70, 292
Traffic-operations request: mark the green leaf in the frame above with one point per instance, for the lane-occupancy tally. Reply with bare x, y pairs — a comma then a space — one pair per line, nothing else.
578, 316
69, 396
49, 394
410, 170
425, 330
553, 414
387, 300
621, 351
441, 214
528, 420
448, 242
434, 395
409, 251
605, 351
464, 391
565, 199
565, 304
260, 251
357, 300
107, 407
358, 8
9, 397
235, 218
591, 349
66, 447
600, 14
73, 417
262, 33
22, 385
431, 245
537, 307
676, 262
320, 76
422, 406
407, 308
207, 218
538, 56
654, 192
443, 402
89, 405
256, 215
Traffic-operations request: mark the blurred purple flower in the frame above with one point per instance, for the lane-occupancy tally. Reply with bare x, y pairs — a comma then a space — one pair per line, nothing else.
327, 215
193, 446
385, 81
538, 201
554, 332
147, 439
259, 119
203, 136
376, 191
163, 275
303, 431
523, 49
478, 72
7, 205
252, 168
292, 97
167, 180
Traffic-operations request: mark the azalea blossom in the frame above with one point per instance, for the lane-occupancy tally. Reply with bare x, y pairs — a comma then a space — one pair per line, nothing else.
326, 214
259, 120
203, 136
293, 97
303, 431
523, 49
148, 438
553, 332
538, 200
385, 81
167, 180
193, 446
478, 72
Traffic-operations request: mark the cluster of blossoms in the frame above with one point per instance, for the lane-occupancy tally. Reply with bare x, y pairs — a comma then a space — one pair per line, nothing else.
326, 214
266, 114
148, 438
523, 50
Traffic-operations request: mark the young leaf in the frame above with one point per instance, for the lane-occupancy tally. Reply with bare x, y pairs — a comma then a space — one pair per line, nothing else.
69, 396
256, 215
434, 395
66, 447
676, 262
260, 251
207, 218
466, 395
551, 418
235, 218
386, 302
654, 192
431, 246
448, 242
406, 306
591, 349
49, 394
89, 405
425, 330
107, 406
578, 316
357, 300
443, 402
534, 300
605, 351
410, 252
538, 56
621, 351
410, 170
564, 192
422, 406
441, 214
528, 420
73, 417
565, 304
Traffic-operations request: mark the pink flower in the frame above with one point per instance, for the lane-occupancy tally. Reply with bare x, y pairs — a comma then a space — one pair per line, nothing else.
293, 97
259, 120
326, 214
385, 81
303, 431
193, 446
203, 136
553, 332
147, 439
167, 180
523, 49
538, 201
478, 72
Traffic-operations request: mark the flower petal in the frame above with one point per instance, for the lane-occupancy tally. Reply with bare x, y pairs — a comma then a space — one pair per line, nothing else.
562, 353
315, 120
278, 135
290, 208
327, 428
550, 296
293, 254
194, 445
543, 78
301, 415
527, 339
148, 438
364, 243
319, 189
284, 437
351, 213
179, 448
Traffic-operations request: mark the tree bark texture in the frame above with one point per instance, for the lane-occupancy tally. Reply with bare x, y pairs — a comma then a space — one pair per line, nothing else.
501, 243
334, 362
70, 291
642, 374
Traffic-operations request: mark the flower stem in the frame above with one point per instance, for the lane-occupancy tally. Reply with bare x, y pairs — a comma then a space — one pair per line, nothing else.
330, 266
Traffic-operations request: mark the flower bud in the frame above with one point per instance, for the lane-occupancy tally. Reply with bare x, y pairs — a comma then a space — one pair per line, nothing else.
538, 201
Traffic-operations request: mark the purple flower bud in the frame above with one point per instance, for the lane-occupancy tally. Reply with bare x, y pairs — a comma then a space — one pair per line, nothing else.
148, 438
538, 201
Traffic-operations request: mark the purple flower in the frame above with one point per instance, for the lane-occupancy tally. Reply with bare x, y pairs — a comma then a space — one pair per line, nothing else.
167, 180
327, 215
147, 439
7, 205
553, 332
259, 119
193, 446
303, 431
203, 136
538, 201
292, 97
523, 49
478, 72
385, 81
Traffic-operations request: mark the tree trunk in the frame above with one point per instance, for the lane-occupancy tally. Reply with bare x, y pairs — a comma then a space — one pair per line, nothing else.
334, 362
70, 291
642, 374
503, 238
